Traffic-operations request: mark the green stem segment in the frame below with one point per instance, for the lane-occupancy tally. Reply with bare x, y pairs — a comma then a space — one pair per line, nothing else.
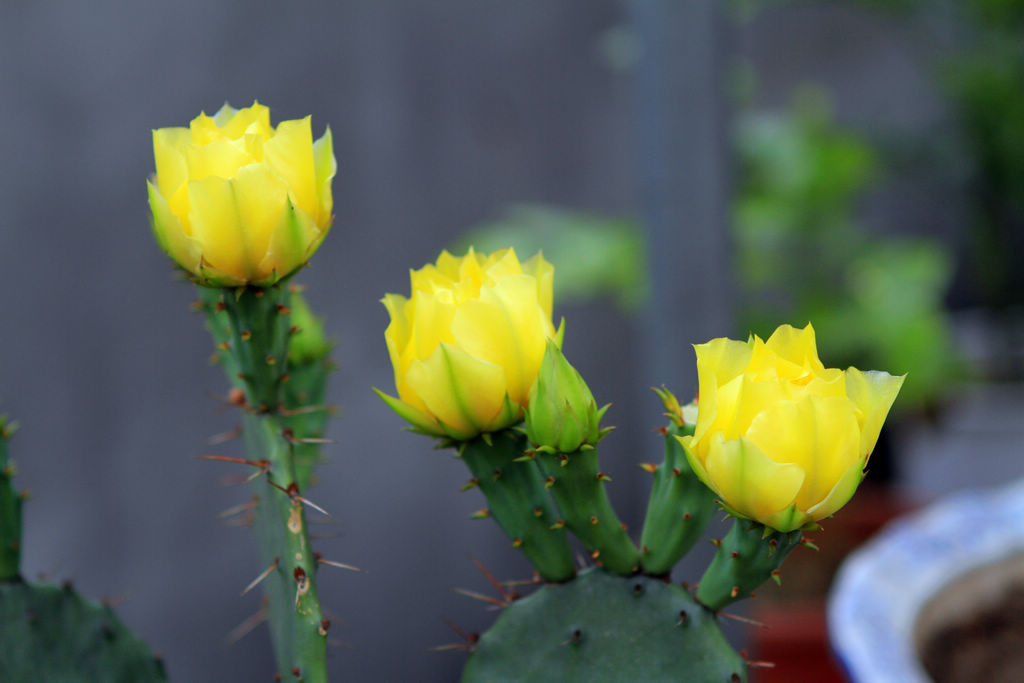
10, 511
252, 330
296, 620
304, 397
679, 509
578, 489
518, 501
259, 341
749, 555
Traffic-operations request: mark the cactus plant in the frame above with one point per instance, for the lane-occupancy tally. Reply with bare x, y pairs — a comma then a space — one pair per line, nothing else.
50, 633
603, 627
624, 620
253, 331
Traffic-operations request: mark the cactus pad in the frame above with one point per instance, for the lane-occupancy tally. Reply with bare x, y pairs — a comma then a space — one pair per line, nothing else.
603, 627
49, 633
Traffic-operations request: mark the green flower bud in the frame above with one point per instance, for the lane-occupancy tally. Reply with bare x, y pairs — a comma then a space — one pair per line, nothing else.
308, 343
561, 415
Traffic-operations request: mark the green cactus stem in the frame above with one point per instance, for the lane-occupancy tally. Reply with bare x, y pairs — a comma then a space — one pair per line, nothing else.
305, 393
306, 414
252, 328
749, 555
577, 485
296, 620
600, 628
518, 501
679, 509
10, 509
259, 335
563, 423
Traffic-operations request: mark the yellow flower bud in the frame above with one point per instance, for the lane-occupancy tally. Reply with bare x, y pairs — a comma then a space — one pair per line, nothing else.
779, 437
467, 344
236, 201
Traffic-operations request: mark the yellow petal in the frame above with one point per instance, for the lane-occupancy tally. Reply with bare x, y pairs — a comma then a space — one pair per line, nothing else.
873, 392
261, 198
291, 244
840, 493
449, 265
507, 327
432, 323
204, 129
214, 219
725, 358
821, 435
742, 399
463, 392
290, 153
253, 120
696, 463
544, 272
220, 158
397, 333
326, 167
172, 239
748, 481
796, 346
707, 413
501, 264
168, 151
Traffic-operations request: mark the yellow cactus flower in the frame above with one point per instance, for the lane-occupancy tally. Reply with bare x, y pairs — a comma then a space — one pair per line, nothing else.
236, 201
779, 437
467, 344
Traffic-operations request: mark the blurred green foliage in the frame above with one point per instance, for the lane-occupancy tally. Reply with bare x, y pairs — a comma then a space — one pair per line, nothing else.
875, 301
593, 255
986, 84
981, 69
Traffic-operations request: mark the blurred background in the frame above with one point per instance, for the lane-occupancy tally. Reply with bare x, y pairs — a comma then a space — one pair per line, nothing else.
693, 170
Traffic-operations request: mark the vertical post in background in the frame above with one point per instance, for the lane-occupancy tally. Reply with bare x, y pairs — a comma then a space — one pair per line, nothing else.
681, 127
682, 161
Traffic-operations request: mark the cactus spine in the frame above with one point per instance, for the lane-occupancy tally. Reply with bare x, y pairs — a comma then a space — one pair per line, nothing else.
253, 330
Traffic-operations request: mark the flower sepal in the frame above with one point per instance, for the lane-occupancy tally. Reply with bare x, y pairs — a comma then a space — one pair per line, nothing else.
561, 415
